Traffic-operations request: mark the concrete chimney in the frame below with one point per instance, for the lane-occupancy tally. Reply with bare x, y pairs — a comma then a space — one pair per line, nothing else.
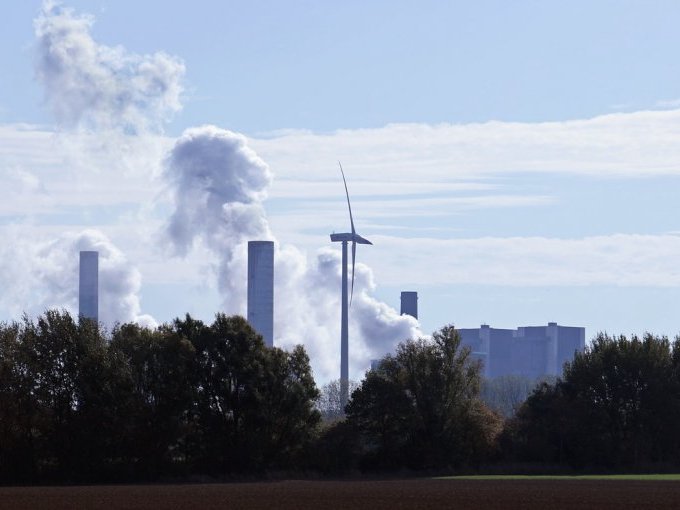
409, 303
261, 289
88, 286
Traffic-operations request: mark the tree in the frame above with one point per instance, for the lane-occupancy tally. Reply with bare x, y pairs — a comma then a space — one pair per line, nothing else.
539, 430
76, 405
505, 394
329, 402
424, 400
55, 384
157, 397
384, 415
254, 405
18, 416
287, 413
618, 405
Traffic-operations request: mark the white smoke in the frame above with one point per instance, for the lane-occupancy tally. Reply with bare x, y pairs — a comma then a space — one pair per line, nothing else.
99, 87
219, 185
119, 282
44, 274
307, 310
101, 98
106, 100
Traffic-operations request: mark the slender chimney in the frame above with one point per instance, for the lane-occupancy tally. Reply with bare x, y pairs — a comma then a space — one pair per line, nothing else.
88, 288
261, 289
409, 303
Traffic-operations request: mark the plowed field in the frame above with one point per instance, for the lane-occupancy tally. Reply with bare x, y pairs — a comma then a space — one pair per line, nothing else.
374, 495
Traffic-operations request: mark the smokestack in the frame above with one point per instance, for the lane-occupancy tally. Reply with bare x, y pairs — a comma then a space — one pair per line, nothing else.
261, 289
409, 304
88, 289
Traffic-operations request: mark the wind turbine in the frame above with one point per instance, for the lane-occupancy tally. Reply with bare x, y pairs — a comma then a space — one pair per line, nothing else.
354, 238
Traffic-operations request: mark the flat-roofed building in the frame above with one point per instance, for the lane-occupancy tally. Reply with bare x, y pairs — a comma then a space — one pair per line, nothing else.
530, 351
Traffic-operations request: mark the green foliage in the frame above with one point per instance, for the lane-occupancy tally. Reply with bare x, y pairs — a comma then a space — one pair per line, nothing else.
80, 404
330, 403
156, 396
618, 405
421, 408
505, 394
77, 405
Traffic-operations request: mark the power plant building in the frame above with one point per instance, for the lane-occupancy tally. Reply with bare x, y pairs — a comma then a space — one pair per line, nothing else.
409, 303
261, 289
531, 351
88, 285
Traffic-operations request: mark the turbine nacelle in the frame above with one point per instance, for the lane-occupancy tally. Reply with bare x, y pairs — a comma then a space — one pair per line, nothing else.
350, 238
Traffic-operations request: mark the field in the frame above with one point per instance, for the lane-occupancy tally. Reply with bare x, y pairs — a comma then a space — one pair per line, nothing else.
459, 494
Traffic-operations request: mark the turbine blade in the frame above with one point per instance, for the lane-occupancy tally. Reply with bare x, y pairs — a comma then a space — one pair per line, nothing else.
354, 254
351, 220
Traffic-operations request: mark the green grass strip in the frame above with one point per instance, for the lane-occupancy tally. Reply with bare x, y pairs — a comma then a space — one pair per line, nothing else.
645, 477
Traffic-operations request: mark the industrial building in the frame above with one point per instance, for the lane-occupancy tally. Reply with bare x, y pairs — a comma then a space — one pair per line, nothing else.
261, 289
88, 285
531, 351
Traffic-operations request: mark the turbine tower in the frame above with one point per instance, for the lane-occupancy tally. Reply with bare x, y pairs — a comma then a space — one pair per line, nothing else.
354, 238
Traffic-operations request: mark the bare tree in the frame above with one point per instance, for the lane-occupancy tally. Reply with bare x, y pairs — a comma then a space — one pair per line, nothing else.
329, 403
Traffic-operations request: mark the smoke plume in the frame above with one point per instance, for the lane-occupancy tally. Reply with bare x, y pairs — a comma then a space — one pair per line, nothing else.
100, 97
45, 274
219, 185
97, 86
119, 282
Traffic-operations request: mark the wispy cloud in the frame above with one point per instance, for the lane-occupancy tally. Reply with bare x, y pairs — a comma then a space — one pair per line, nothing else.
617, 145
95, 86
669, 103
617, 259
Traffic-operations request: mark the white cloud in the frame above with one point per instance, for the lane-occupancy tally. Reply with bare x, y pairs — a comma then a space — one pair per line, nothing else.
618, 259
670, 103
219, 185
212, 199
96, 86
36, 274
617, 145
290, 188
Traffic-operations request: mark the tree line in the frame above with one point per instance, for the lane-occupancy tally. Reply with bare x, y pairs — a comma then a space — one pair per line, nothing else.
187, 399
78, 404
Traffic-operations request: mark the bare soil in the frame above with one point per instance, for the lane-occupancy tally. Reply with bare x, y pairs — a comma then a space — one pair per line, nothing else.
374, 495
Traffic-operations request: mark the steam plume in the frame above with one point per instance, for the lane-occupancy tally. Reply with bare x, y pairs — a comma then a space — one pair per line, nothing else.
97, 86
219, 185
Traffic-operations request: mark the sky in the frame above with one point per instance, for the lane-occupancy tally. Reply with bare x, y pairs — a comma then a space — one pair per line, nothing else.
516, 163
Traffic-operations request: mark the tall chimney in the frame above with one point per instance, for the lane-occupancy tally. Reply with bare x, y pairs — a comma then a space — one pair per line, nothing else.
261, 289
88, 288
409, 303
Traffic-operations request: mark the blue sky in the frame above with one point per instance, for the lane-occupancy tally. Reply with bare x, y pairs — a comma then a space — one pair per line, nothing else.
514, 162
262, 66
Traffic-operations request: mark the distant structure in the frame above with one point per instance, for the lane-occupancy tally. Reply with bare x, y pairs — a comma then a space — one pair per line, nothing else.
88, 286
354, 238
261, 289
530, 351
409, 304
